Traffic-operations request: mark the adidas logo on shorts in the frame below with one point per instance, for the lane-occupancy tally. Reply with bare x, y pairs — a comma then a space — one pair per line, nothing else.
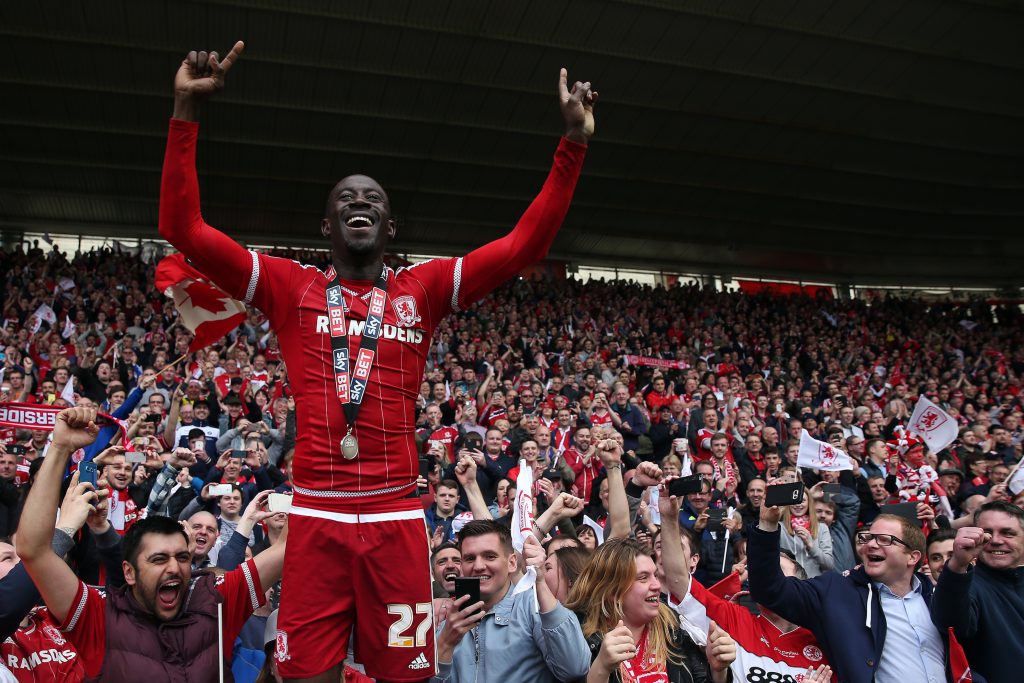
420, 662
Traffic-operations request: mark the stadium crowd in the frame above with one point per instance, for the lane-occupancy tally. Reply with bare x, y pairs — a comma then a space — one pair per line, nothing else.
609, 392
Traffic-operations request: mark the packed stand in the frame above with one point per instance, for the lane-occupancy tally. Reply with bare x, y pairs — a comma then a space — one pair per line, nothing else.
612, 395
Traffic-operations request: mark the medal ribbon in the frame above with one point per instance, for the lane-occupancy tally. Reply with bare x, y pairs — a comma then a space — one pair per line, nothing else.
350, 383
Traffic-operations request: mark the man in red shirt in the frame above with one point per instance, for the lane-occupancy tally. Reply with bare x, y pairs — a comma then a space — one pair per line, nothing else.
355, 339
161, 620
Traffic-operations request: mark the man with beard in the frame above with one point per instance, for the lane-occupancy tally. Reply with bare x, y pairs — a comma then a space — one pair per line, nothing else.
359, 333
445, 565
161, 625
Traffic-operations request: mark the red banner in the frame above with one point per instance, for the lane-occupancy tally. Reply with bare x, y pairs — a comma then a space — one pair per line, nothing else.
656, 362
34, 416
28, 416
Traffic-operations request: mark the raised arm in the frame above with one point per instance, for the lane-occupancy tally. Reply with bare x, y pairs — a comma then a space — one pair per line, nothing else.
485, 268
618, 504
673, 560
75, 428
212, 252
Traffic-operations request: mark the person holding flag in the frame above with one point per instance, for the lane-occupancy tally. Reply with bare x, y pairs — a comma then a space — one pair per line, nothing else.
355, 339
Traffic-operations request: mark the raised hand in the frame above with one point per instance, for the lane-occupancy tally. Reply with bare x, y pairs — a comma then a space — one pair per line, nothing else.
79, 502
720, 650
968, 544
647, 474
616, 647
182, 457
465, 471
609, 452
533, 553
200, 75
577, 108
75, 428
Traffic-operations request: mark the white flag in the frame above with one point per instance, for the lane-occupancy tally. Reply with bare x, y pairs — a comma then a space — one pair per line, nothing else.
66, 283
821, 456
46, 314
522, 523
69, 391
598, 530
69, 328
1016, 483
933, 424
522, 514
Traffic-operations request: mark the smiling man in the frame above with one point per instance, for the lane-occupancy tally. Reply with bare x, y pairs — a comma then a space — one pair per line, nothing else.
161, 625
872, 623
513, 641
355, 339
984, 603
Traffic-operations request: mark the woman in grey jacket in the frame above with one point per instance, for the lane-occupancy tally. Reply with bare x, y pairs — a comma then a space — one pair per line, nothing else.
809, 541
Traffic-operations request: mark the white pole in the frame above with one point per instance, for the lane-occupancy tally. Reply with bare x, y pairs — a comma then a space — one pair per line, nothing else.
220, 639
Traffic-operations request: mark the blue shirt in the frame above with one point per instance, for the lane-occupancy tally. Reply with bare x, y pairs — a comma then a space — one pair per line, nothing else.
514, 644
913, 651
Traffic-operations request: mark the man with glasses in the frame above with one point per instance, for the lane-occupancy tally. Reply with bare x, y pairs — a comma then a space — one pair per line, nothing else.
872, 623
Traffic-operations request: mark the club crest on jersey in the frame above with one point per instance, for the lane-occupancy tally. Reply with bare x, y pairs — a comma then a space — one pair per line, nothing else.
405, 310
812, 653
53, 634
281, 647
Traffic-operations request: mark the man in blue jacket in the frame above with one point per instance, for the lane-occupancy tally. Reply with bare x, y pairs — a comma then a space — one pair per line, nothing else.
873, 623
985, 604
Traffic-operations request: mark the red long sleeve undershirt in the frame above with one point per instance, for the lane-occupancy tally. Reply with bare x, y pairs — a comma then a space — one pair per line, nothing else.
229, 265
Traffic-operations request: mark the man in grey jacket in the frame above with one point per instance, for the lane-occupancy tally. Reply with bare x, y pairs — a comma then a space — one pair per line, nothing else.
502, 637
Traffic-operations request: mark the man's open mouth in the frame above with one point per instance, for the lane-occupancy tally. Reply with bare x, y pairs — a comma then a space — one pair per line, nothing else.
451, 576
169, 592
359, 221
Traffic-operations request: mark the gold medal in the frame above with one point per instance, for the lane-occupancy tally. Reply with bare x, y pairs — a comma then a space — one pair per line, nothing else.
350, 446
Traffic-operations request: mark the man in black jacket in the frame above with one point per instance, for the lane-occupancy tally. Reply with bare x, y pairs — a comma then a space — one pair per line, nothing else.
985, 604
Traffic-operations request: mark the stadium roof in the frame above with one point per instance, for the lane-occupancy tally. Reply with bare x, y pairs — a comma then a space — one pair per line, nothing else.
862, 142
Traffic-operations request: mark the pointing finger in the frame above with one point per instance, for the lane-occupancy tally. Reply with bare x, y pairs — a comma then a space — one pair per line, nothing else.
233, 56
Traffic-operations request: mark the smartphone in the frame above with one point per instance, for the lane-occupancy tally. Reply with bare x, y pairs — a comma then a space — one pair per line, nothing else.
220, 489
15, 449
716, 517
134, 456
683, 486
239, 454
199, 445
784, 494
467, 585
279, 502
87, 473
426, 467
830, 492
906, 510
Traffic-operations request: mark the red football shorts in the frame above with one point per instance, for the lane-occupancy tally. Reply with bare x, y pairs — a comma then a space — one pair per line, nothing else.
370, 569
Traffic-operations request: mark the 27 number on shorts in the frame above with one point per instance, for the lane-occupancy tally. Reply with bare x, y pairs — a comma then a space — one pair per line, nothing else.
397, 633
756, 674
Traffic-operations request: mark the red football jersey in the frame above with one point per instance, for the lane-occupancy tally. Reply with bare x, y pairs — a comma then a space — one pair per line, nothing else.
293, 297
39, 652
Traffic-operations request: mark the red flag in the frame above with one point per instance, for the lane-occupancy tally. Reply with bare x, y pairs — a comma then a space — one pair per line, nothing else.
958, 661
205, 309
727, 587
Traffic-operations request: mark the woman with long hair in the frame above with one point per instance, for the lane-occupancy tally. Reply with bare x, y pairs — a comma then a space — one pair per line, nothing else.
633, 635
808, 540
